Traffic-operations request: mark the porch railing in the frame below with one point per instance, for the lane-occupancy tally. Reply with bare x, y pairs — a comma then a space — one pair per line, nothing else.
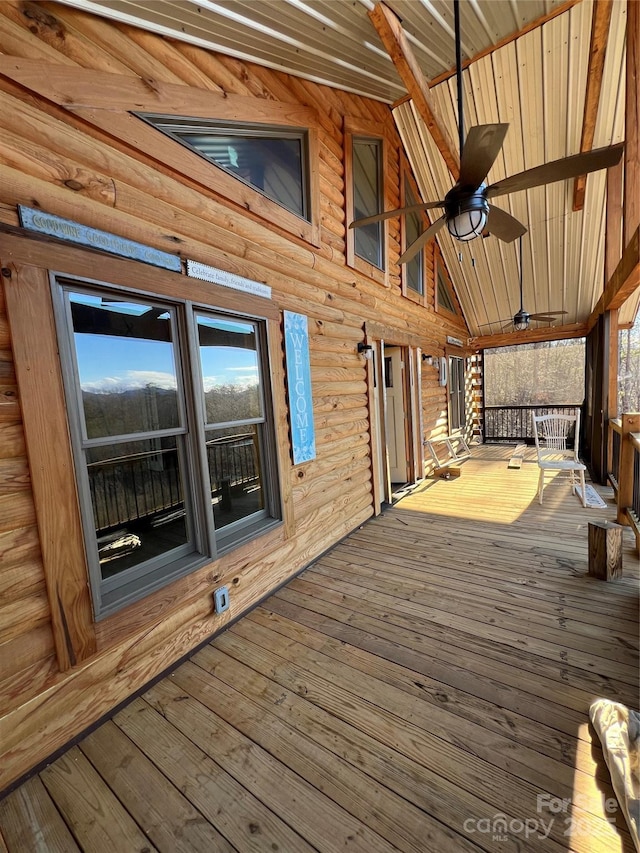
513, 423
624, 468
143, 486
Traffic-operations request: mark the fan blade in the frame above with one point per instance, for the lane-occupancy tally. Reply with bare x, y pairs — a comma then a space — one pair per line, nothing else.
415, 247
559, 170
494, 323
389, 214
480, 150
504, 226
547, 315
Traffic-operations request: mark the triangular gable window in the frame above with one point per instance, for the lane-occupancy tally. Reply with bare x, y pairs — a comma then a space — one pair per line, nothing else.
445, 300
272, 160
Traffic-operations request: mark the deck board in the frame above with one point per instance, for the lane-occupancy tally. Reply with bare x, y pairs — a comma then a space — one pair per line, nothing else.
432, 671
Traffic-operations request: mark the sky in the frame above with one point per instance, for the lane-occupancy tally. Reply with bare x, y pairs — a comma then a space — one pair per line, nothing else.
105, 361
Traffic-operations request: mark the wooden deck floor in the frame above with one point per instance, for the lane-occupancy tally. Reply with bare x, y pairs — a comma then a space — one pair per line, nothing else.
428, 676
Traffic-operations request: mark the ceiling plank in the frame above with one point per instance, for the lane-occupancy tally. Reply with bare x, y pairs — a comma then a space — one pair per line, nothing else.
622, 283
532, 25
531, 336
393, 37
597, 52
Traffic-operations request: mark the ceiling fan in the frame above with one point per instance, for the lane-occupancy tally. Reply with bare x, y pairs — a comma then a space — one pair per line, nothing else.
521, 319
467, 208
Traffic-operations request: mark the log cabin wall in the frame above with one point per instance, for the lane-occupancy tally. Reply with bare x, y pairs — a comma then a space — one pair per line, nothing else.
71, 161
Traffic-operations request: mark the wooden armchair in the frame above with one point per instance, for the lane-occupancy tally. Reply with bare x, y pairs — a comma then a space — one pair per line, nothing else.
551, 433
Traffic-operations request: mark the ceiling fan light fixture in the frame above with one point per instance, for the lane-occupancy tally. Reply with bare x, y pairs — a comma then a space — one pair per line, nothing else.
521, 321
466, 212
467, 225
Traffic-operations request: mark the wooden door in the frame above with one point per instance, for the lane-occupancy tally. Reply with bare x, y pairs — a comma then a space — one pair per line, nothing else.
395, 413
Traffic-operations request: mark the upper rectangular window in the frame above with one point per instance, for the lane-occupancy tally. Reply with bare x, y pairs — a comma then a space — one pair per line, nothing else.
367, 188
172, 432
272, 160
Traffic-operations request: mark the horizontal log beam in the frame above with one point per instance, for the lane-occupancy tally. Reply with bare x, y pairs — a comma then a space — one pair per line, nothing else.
531, 336
108, 91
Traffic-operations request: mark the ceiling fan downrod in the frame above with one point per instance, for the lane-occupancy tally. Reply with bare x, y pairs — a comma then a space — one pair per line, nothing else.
456, 23
521, 318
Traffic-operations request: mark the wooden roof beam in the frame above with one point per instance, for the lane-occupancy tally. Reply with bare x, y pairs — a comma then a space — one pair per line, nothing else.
631, 216
597, 51
531, 336
623, 282
393, 37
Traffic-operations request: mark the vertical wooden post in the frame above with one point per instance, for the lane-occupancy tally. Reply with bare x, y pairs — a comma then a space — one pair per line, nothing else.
613, 223
630, 423
612, 381
605, 550
632, 117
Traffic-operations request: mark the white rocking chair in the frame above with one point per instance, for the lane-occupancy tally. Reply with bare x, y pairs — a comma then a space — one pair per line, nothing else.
551, 433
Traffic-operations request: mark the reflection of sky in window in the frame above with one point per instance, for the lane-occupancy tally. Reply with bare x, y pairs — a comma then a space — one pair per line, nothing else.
228, 365
108, 363
113, 363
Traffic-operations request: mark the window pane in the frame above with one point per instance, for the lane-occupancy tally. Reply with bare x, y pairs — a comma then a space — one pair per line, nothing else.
235, 473
444, 297
127, 366
456, 390
271, 165
138, 502
367, 199
413, 224
230, 370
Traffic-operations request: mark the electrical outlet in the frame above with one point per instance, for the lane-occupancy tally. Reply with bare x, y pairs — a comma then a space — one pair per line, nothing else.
221, 599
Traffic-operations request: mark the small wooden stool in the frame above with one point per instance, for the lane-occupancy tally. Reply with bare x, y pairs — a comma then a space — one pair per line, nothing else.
605, 550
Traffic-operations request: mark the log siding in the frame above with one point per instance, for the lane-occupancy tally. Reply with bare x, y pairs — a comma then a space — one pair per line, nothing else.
68, 84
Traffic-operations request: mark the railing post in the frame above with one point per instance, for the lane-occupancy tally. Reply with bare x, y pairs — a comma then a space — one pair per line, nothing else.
630, 423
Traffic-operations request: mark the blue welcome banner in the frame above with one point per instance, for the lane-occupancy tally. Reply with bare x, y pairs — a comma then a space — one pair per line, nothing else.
75, 232
296, 343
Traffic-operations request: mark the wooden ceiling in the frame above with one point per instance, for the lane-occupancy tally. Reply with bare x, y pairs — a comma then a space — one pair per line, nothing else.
536, 82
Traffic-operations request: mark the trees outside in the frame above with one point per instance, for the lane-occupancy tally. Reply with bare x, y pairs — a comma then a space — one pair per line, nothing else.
629, 369
548, 373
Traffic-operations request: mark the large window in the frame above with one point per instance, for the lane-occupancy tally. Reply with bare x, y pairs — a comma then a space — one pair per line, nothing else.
172, 434
367, 199
272, 160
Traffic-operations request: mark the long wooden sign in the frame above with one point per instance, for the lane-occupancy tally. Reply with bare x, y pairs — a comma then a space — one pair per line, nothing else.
75, 232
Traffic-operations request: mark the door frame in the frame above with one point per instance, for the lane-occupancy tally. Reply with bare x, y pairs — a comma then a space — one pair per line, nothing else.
377, 336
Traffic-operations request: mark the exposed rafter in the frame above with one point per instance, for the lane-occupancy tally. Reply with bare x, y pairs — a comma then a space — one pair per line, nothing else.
392, 35
622, 283
597, 51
